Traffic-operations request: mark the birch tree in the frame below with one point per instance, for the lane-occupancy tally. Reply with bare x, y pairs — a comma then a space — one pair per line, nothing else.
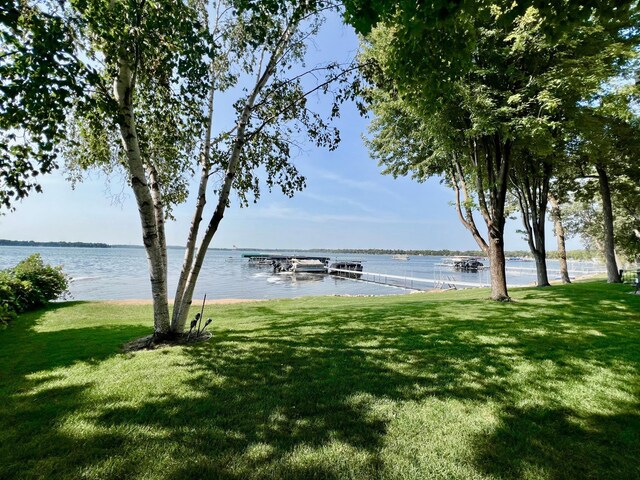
152, 59
170, 65
269, 44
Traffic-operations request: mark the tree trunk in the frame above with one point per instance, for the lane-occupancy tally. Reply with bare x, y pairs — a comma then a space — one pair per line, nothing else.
540, 256
186, 294
498, 265
190, 249
459, 183
186, 297
556, 216
189, 253
181, 309
613, 275
158, 208
494, 166
194, 271
531, 184
123, 91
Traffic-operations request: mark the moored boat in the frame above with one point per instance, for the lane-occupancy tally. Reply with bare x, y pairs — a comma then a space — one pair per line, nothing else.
462, 263
308, 266
346, 268
471, 264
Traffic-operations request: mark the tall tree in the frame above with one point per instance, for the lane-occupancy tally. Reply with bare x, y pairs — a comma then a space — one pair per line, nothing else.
530, 179
556, 214
605, 148
502, 94
152, 84
165, 88
269, 44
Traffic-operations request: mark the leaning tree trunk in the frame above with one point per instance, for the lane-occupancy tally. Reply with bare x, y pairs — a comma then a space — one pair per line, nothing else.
185, 291
194, 228
613, 276
556, 216
459, 184
186, 295
123, 91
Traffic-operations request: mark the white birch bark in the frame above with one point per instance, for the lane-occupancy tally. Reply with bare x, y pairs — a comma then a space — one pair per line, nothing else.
158, 209
194, 228
123, 90
181, 309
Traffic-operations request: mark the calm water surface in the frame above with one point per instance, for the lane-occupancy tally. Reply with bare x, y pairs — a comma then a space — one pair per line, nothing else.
121, 273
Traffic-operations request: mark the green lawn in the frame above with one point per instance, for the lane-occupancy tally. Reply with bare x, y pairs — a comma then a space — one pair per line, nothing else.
419, 386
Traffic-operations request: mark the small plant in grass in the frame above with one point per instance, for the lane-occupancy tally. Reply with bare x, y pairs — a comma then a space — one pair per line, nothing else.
30, 285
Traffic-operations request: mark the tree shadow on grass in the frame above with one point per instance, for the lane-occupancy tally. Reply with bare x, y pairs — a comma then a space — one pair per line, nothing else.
296, 381
25, 351
554, 443
33, 406
289, 395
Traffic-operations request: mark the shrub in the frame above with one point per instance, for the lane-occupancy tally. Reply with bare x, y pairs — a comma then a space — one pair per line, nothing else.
29, 285
44, 282
6, 315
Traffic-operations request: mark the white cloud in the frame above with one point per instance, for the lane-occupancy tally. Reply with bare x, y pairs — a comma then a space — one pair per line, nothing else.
280, 212
338, 200
350, 183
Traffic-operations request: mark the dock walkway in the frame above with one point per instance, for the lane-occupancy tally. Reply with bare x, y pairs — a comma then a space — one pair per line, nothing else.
406, 282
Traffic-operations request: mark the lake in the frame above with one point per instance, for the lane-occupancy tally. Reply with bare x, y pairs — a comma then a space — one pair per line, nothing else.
121, 273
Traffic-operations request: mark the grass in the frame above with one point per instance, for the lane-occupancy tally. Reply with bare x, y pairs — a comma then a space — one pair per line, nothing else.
406, 387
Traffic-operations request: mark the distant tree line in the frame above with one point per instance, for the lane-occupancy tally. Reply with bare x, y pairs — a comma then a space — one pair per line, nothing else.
571, 254
31, 243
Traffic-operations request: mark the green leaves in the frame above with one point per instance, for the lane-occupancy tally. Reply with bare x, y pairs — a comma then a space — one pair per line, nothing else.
29, 285
41, 74
169, 52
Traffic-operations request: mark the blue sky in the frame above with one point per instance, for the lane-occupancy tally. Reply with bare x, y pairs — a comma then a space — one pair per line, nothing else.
347, 202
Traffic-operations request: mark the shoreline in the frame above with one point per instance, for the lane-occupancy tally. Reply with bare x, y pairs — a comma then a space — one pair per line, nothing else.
234, 301
213, 301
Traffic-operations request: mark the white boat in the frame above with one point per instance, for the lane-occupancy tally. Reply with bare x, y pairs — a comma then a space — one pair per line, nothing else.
308, 266
463, 263
450, 261
401, 257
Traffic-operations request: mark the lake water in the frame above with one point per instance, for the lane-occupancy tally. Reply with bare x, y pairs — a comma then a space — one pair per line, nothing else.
121, 273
